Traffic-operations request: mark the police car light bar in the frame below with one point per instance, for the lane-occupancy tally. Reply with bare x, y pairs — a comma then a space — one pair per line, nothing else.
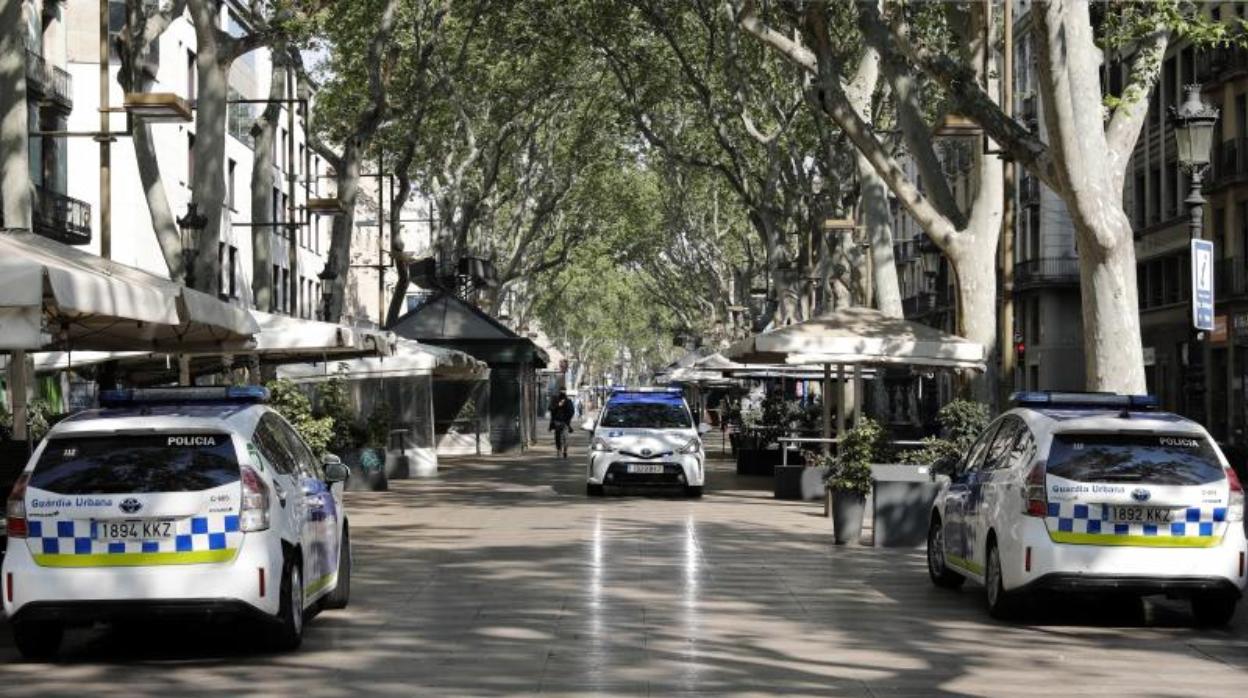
1047, 398
646, 390
237, 394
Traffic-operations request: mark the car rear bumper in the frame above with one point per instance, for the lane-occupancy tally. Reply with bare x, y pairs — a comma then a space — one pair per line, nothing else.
1133, 584
82, 589
88, 612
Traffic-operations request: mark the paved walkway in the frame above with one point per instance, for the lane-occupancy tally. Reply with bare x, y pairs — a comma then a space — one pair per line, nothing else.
501, 578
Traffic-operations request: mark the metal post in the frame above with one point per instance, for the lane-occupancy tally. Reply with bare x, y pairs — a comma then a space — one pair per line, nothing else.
381, 241
106, 177
1005, 259
840, 404
291, 185
827, 406
858, 395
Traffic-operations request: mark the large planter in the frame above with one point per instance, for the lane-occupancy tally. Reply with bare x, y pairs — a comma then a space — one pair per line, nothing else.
757, 461
788, 478
368, 469
847, 511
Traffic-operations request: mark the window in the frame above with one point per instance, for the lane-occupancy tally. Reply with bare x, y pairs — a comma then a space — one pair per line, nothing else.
233, 271
279, 211
1170, 279
1169, 76
1002, 443
1154, 195
1189, 66
299, 162
1140, 213
287, 296
192, 77
1024, 448
271, 445
647, 414
1143, 458
276, 295
303, 458
190, 159
230, 183
1241, 117
239, 118
1172, 189
227, 261
976, 455
136, 464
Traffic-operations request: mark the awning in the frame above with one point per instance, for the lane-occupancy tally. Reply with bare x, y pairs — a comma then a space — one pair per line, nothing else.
409, 357
861, 336
57, 296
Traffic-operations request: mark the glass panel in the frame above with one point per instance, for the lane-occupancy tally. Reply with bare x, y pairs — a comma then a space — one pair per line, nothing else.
136, 464
1142, 458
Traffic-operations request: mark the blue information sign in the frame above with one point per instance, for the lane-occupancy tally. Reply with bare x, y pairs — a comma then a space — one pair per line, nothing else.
1202, 285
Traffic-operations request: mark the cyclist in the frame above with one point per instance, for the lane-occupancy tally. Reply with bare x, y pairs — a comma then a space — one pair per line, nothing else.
561, 415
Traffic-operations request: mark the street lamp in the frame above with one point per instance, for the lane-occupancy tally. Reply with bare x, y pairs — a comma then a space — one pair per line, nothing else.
1193, 137
327, 277
191, 224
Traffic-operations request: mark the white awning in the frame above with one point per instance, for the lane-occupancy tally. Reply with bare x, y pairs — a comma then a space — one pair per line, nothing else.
409, 357
56, 296
859, 336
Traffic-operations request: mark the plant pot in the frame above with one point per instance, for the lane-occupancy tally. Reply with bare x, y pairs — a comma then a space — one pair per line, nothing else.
368, 469
847, 511
788, 481
757, 461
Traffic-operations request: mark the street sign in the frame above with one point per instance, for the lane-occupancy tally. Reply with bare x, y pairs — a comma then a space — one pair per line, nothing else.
1202, 285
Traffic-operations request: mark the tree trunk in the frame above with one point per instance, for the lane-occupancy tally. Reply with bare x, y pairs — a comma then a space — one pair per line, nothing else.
208, 172
264, 133
1113, 352
878, 220
344, 224
975, 271
15, 185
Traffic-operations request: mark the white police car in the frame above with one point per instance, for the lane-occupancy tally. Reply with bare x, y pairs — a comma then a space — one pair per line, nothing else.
174, 501
645, 437
1092, 492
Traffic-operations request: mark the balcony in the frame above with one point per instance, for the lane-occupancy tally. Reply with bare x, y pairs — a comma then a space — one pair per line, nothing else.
61, 217
50, 83
1221, 63
925, 303
1046, 271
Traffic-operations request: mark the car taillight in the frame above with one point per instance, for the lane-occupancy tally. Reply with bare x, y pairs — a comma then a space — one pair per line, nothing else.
254, 515
15, 509
1235, 504
1035, 502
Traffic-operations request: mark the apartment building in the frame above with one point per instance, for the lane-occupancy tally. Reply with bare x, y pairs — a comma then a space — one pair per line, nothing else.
298, 251
50, 97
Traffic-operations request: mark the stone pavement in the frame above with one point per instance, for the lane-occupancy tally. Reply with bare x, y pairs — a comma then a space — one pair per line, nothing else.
501, 578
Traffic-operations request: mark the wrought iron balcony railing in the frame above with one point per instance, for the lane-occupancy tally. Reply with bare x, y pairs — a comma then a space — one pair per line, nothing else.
1046, 270
61, 217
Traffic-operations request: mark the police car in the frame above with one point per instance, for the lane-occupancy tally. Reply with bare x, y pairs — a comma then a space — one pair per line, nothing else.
645, 437
1092, 492
178, 501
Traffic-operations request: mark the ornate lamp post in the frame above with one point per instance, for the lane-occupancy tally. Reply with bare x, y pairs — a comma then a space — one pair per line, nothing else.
327, 277
190, 224
1194, 122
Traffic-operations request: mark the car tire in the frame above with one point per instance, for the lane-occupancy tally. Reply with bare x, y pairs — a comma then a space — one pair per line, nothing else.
694, 491
341, 595
1002, 605
1213, 610
287, 633
594, 490
940, 573
38, 641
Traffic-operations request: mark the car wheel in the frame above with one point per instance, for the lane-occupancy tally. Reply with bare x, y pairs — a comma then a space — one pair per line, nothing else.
287, 634
1002, 604
694, 491
1213, 610
341, 595
593, 490
940, 573
38, 641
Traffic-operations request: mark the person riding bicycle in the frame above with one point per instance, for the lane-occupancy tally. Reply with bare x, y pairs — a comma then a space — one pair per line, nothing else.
561, 415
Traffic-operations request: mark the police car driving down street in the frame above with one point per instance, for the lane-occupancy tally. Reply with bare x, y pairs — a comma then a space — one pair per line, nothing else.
1092, 492
645, 437
174, 501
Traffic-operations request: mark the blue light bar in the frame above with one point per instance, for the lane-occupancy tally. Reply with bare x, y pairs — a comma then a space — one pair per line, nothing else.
621, 389
234, 394
1048, 398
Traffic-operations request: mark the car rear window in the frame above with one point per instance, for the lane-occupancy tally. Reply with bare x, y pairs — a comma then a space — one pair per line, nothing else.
647, 415
126, 464
1147, 459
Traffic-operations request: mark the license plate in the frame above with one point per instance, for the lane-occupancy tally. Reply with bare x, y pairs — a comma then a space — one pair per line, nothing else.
1135, 514
135, 529
642, 469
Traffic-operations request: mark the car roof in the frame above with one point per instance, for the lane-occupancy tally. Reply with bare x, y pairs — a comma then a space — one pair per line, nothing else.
1098, 419
635, 397
236, 417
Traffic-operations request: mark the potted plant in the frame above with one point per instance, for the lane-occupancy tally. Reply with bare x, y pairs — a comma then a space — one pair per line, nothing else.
848, 479
367, 458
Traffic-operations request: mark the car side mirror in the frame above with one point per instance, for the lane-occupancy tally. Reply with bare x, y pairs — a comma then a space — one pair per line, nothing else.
945, 465
588, 425
704, 427
335, 469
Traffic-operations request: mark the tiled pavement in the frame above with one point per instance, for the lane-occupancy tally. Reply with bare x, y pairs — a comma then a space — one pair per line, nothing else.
501, 578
